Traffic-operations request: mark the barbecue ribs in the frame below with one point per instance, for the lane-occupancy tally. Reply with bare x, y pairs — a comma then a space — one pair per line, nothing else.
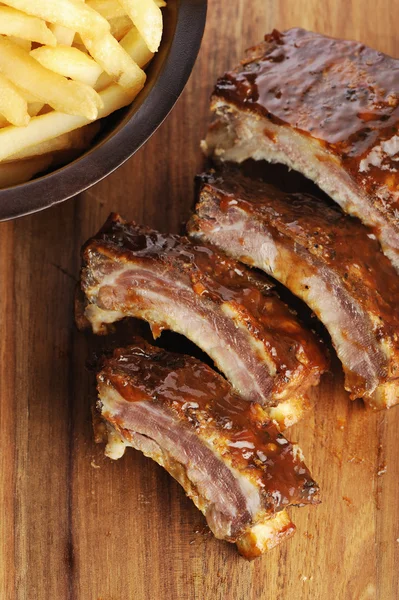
325, 107
226, 453
231, 313
326, 258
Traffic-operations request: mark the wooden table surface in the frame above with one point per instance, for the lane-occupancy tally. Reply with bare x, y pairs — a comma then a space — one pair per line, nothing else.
75, 525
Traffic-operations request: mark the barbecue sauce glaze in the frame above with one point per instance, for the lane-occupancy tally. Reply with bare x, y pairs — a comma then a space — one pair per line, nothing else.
340, 92
203, 400
214, 276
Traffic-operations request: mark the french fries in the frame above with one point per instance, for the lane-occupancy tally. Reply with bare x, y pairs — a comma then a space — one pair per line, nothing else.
67, 96
74, 14
147, 17
109, 9
12, 105
138, 50
63, 35
136, 47
46, 127
16, 23
78, 139
116, 61
65, 64
69, 62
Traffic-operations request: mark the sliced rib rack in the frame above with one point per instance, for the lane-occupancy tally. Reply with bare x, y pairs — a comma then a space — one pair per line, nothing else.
326, 258
226, 453
231, 313
325, 107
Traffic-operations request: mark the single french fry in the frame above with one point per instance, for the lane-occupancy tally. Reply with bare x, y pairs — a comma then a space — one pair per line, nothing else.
23, 70
12, 105
109, 9
138, 50
63, 35
21, 171
136, 47
69, 62
16, 23
147, 17
54, 123
160, 3
116, 62
78, 139
73, 14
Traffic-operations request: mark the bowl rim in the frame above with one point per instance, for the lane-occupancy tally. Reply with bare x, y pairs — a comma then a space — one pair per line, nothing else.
116, 148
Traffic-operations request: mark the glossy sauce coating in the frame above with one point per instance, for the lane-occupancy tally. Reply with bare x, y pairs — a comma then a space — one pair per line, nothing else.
203, 400
340, 92
340, 242
331, 238
214, 276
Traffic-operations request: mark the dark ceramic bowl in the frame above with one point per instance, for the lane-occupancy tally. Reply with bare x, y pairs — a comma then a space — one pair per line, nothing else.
127, 129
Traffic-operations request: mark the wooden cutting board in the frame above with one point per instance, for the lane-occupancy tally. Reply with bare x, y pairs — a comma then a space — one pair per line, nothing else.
76, 526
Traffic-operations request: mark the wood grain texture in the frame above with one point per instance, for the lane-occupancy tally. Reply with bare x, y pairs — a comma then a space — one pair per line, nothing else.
76, 526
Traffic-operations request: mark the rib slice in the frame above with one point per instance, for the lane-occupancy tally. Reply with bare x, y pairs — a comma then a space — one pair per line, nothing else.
326, 258
226, 453
231, 313
325, 107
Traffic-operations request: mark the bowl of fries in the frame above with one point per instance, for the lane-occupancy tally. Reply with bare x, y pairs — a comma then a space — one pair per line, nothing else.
83, 85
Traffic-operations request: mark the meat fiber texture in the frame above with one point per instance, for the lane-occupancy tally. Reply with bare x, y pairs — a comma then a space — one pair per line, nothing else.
230, 458
325, 107
230, 312
329, 260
